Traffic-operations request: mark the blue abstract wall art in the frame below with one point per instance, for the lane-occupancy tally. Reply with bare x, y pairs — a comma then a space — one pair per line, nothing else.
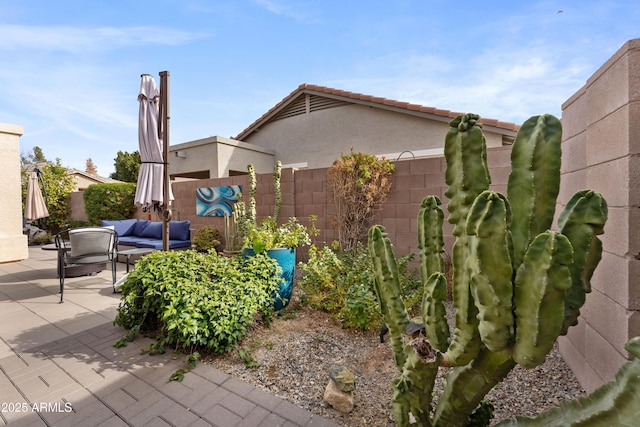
216, 201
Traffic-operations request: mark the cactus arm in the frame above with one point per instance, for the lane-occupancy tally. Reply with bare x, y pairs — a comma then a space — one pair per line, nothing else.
387, 285
430, 237
434, 312
466, 386
431, 245
467, 173
541, 285
582, 221
490, 269
412, 391
465, 342
616, 403
534, 181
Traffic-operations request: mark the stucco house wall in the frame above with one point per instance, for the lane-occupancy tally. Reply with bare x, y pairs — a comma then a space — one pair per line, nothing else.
315, 125
601, 151
322, 136
217, 157
14, 243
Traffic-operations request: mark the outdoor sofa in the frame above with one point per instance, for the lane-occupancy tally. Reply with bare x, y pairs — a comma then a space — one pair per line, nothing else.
143, 233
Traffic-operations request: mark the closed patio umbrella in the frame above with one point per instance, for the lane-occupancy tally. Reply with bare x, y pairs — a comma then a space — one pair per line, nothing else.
35, 207
149, 191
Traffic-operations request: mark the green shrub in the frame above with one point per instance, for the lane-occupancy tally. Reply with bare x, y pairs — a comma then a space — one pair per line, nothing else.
196, 301
109, 201
360, 184
341, 282
206, 238
58, 185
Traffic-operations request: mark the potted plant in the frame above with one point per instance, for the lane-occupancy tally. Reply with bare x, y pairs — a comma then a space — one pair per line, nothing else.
278, 240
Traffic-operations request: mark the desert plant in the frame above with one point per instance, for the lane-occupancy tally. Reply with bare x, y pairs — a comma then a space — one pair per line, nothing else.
517, 285
206, 238
613, 404
360, 184
341, 282
234, 227
268, 233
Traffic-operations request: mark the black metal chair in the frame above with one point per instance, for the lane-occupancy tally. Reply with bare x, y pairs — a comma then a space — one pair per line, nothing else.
84, 251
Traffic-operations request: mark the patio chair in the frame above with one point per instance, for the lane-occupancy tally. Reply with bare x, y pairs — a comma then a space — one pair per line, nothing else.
84, 251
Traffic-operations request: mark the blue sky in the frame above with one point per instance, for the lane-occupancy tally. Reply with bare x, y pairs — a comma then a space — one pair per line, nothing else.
70, 70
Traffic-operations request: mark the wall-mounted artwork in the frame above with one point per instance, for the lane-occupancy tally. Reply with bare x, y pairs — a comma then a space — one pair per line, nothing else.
216, 201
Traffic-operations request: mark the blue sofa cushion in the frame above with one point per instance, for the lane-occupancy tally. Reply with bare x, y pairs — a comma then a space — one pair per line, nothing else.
123, 227
140, 226
153, 230
179, 230
129, 240
157, 244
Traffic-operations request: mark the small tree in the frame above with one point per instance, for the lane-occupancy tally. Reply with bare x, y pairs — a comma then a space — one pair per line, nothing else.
360, 184
126, 166
34, 157
58, 185
91, 168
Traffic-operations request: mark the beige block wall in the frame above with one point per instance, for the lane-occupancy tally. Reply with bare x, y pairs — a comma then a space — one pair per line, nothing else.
13, 246
600, 151
305, 192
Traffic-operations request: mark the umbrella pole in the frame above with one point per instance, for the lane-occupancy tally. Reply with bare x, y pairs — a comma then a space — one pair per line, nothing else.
164, 115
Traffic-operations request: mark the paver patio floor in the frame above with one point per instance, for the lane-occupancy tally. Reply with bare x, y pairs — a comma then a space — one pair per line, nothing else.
58, 365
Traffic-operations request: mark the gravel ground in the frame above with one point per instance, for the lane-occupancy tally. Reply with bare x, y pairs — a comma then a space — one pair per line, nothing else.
296, 353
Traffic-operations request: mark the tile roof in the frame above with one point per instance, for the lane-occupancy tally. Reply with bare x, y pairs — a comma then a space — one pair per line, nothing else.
97, 178
366, 99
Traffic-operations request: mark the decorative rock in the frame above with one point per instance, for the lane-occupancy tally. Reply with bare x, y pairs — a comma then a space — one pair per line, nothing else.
35, 233
343, 378
340, 400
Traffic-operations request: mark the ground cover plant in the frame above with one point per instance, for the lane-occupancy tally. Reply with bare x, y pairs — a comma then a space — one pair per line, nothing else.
193, 301
341, 282
517, 284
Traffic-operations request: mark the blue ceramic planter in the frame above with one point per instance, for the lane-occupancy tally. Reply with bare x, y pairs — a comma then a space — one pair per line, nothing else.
286, 259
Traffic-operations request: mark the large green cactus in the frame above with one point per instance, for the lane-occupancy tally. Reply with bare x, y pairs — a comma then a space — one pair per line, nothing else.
517, 285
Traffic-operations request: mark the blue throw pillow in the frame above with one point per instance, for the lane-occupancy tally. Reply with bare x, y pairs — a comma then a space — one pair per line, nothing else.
153, 230
140, 226
123, 227
179, 230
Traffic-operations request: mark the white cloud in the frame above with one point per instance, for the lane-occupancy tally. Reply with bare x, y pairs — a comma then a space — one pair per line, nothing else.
88, 39
306, 12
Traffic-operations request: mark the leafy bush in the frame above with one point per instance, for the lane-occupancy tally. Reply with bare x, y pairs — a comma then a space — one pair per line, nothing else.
206, 238
193, 300
109, 201
341, 282
58, 185
360, 184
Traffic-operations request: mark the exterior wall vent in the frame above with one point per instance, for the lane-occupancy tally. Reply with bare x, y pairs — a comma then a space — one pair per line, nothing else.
305, 104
